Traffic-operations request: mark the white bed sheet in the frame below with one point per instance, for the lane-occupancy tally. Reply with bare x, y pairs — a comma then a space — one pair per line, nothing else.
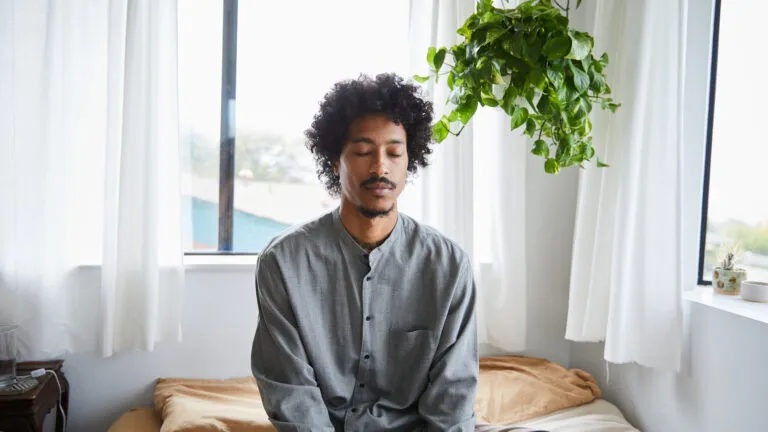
597, 416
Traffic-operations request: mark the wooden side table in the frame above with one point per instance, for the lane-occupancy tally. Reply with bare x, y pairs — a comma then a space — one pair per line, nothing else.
26, 412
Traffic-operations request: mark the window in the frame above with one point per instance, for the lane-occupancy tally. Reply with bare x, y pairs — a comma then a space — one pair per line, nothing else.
249, 175
735, 209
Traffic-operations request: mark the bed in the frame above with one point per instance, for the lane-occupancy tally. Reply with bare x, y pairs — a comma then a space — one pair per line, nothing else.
514, 392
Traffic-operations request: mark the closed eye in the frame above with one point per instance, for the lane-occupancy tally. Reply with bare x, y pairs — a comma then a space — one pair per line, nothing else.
363, 154
395, 155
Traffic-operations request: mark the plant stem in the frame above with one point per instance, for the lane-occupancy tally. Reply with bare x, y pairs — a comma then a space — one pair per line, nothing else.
459, 132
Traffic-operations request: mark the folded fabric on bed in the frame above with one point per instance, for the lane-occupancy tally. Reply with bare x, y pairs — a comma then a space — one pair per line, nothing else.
516, 388
196, 405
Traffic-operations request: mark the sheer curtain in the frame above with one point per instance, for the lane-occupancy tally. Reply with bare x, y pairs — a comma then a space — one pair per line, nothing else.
474, 189
89, 175
626, 277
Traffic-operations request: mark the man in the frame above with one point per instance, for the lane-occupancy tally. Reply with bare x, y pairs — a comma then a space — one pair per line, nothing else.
366, 317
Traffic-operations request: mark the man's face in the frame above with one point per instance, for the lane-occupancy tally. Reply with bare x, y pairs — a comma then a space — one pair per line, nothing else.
373, 164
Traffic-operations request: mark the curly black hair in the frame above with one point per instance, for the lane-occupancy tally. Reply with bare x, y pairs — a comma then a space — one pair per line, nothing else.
348, 100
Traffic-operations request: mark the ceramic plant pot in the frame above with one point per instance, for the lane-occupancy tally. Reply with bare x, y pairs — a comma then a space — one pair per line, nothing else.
728, 281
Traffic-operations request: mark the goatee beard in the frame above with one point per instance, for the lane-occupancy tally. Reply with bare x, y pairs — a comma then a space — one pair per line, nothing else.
372, 214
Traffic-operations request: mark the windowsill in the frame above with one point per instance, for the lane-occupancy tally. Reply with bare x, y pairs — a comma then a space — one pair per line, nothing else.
734, 304
207, 262
220, 262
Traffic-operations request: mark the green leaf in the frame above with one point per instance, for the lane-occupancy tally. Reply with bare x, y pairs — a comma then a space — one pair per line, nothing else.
497, 78
581, 45
484, 6
451, 78
536, 78
495, 33
466, 109
509, 100
565, 150
532, 50
597, 81
557, 47
529, 94
543, 105
580, 79
601, 164
578, 3
482, 63
489, 101
551, 166
530, 127
540, 148
439, 59
431, 51
555, 77
440, 131
603, 60
421, 79
518, 117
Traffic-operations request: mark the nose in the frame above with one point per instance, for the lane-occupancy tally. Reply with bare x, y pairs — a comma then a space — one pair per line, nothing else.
379, 165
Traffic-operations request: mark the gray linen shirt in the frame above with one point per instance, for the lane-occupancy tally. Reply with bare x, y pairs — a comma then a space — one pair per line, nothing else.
359, 342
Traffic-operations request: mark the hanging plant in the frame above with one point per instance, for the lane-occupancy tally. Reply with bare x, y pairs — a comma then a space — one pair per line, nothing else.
528, 62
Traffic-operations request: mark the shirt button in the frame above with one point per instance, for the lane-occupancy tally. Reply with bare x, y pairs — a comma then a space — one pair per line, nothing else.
368, 278
366, 357
368, 318
362, 385
354, 410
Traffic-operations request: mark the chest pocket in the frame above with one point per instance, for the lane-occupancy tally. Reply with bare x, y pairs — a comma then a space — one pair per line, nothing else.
410, 354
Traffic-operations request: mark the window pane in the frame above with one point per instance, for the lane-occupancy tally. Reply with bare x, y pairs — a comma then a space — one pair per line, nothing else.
286, 62
738, 187
200, 43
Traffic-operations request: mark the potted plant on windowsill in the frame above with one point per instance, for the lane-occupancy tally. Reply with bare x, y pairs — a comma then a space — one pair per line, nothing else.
528, 62
727, 277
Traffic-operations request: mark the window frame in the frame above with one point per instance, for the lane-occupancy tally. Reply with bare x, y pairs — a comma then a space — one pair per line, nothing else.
227, 135
708, 148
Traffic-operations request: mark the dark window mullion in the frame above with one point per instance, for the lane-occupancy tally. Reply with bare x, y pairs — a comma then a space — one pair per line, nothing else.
227, 136
708, 156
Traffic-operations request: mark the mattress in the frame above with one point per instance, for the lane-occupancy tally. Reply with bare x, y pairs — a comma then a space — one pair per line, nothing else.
597, 416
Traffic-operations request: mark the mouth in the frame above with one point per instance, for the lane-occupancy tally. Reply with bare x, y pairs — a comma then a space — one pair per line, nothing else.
379, 189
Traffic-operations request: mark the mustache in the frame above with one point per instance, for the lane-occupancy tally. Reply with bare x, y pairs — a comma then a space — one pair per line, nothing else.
376, 179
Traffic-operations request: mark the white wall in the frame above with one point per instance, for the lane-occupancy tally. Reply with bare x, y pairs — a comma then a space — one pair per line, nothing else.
220, 318
723, 385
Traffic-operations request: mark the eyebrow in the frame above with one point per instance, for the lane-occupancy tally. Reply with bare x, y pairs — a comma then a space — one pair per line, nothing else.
370, 141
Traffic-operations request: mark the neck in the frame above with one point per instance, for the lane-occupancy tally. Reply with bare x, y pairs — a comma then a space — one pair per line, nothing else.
367, 232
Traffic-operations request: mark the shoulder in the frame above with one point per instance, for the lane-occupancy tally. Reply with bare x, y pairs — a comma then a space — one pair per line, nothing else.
434, 245
297, 239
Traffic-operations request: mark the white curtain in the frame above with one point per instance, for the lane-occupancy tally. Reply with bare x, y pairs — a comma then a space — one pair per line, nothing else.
626, 274
474, 189
89, 175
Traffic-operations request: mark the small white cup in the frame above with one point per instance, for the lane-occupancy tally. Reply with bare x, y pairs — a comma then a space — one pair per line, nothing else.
754, 291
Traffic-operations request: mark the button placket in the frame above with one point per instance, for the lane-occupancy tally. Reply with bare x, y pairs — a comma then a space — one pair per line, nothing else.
358, 395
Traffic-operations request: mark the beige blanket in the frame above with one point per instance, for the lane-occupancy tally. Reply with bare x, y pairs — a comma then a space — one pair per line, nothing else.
196, 405
511, 389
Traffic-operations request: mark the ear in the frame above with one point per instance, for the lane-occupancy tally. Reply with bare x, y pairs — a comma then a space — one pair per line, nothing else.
336, 168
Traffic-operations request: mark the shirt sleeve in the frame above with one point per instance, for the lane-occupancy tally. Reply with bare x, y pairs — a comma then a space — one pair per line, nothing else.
285, 378
448, 403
